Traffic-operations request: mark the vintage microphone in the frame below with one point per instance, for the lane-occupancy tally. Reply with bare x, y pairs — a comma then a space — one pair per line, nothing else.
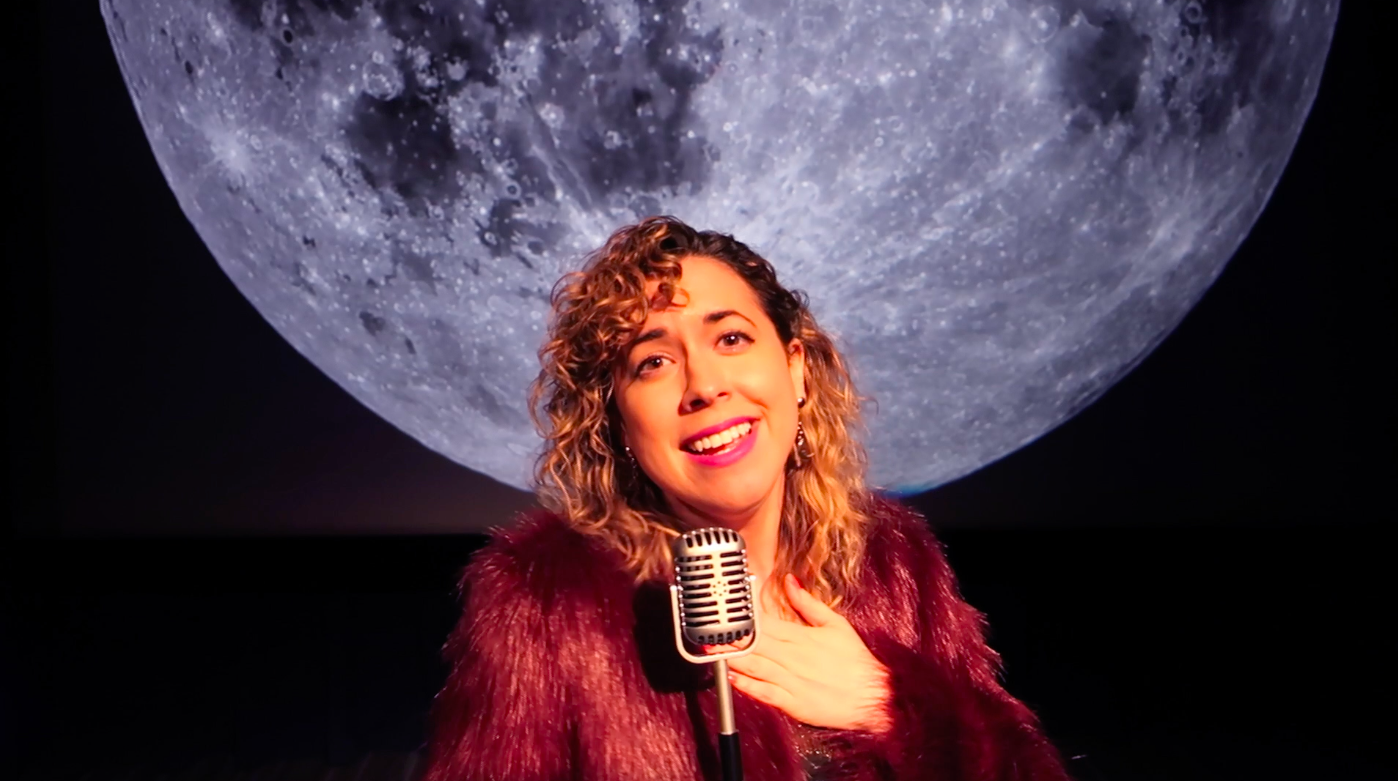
713, 604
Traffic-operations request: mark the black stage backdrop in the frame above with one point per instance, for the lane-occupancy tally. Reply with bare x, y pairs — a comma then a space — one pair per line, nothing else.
1184, 580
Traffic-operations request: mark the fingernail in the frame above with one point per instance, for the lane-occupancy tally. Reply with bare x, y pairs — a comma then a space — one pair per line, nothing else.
732, 678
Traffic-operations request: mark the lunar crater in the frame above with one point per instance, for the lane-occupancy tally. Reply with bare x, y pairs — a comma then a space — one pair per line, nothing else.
1103, 67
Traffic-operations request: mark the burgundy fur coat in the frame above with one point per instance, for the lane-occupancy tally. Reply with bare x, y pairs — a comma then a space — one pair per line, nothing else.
561, 668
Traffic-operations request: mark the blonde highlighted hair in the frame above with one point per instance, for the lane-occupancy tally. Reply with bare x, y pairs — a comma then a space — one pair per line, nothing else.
583, 473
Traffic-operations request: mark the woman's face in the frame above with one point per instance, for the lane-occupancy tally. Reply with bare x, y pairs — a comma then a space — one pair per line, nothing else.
707, 396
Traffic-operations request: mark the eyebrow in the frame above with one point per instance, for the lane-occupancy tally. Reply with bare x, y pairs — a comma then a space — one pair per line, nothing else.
709, 319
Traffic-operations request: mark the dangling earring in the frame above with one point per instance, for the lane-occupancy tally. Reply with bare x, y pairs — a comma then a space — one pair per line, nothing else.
802, 453
632, 479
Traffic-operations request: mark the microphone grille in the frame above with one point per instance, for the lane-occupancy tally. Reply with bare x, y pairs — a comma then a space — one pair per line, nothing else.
715, 594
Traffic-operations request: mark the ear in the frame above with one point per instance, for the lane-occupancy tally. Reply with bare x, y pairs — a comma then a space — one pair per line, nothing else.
796, 364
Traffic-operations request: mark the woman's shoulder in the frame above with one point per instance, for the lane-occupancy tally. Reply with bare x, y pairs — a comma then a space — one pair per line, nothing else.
905, 565
541, 562
540, 604
535, 535
897, 528
901, 548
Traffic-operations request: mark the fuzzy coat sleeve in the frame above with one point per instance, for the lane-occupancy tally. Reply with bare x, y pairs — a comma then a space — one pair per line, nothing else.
503, 712
951, 718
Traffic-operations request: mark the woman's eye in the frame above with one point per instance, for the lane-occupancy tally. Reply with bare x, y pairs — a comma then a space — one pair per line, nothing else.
734, 338
649, 365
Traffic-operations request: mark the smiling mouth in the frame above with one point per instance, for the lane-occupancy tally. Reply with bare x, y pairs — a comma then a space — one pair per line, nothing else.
719, 443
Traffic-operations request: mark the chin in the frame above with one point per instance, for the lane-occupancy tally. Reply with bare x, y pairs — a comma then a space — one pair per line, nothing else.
737, 494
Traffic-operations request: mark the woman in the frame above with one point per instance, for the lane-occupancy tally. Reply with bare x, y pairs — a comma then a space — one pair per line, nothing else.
683, 387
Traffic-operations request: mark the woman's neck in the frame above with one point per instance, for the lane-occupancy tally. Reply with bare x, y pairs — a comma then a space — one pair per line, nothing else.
759, 525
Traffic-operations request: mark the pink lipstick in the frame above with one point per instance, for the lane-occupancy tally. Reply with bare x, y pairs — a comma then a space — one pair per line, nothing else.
716, 446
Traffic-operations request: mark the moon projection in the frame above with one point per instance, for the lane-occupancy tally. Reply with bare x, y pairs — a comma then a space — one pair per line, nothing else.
998, 206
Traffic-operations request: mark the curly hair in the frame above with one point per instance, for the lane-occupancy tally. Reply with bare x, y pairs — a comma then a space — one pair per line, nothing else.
582, 475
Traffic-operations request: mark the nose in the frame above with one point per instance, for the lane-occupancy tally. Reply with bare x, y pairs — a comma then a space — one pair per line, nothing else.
705, 383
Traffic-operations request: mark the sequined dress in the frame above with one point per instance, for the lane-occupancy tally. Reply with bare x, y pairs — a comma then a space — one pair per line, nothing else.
814, 753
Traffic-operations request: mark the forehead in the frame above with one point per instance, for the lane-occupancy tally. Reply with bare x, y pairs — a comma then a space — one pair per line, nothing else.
706, 284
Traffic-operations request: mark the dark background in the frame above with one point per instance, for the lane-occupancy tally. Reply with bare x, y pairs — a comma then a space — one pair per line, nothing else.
1185, 580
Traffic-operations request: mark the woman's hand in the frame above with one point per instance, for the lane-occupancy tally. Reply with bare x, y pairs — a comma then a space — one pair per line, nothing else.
821, 674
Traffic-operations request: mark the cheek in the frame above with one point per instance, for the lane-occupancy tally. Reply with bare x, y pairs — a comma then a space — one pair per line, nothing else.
769, 380
640, 408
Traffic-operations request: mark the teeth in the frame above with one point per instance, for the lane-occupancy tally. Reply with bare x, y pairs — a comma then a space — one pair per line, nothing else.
720, 439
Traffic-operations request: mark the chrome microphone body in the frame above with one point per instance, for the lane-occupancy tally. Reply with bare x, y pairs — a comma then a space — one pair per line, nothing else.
713, 603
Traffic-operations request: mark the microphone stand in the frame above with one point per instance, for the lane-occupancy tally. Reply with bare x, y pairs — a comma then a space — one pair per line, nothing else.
729, 755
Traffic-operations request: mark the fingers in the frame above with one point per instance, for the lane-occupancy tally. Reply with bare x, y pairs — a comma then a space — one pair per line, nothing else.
762, 679
762, 691
761, 668
815, 612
